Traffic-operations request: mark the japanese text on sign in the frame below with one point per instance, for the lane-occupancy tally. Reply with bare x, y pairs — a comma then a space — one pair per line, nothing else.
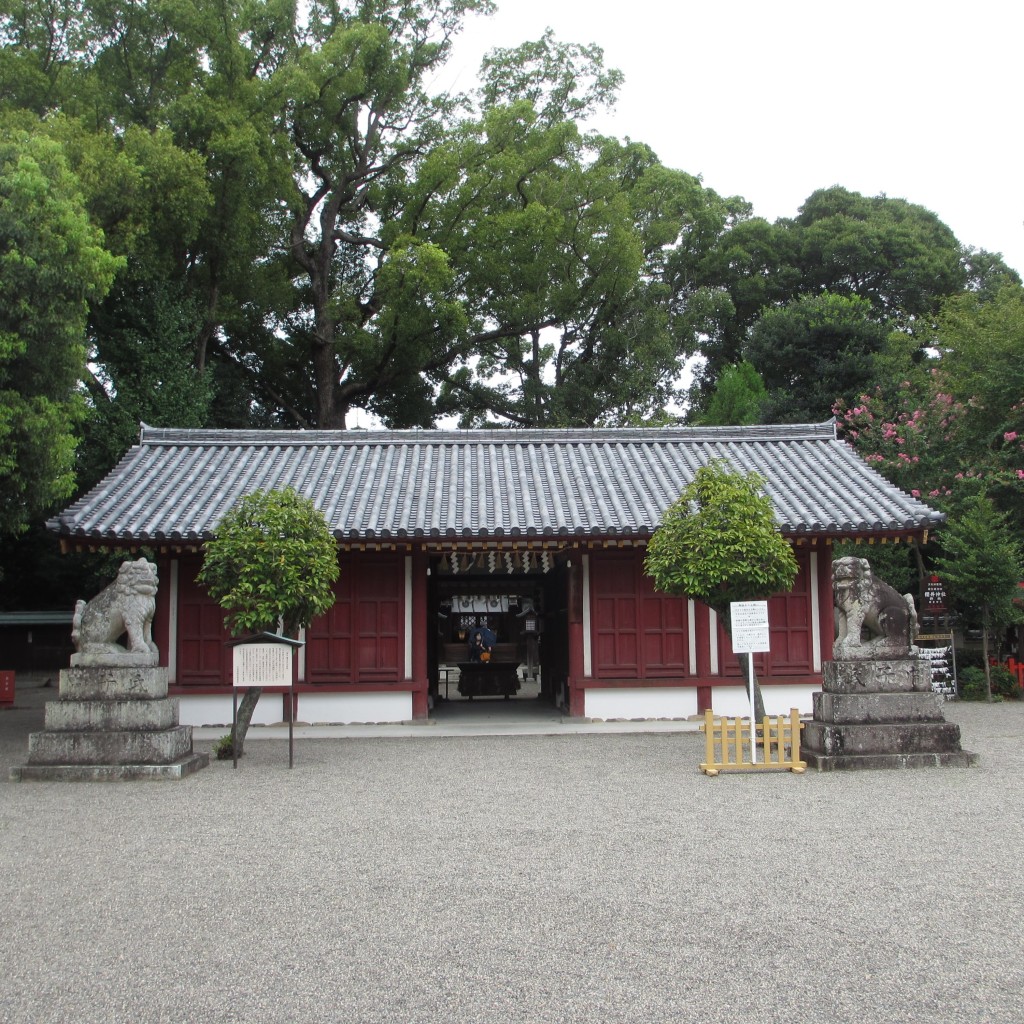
262, 665
749, 626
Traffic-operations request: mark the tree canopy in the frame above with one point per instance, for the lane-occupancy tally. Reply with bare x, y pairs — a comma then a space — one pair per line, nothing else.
52, 264
272, 561
282, 218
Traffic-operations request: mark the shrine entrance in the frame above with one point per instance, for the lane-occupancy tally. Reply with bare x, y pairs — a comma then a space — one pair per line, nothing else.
515, 601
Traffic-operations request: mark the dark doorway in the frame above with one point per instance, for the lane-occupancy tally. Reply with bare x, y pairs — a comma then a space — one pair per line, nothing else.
517, 600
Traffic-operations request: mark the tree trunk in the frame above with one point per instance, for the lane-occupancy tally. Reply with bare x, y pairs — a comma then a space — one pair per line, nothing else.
244, 717
745, 668
758, 698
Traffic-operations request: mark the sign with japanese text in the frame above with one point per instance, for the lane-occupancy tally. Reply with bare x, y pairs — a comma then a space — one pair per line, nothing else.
262, 665
934, 595
749, 626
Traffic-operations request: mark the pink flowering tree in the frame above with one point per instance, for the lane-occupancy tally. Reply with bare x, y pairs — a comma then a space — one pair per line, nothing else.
956, 426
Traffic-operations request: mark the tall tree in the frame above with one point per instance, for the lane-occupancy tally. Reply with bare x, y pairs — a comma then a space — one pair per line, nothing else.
897, 255
52, 263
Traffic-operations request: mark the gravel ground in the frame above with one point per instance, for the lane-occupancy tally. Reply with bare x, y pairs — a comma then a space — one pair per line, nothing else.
596, 878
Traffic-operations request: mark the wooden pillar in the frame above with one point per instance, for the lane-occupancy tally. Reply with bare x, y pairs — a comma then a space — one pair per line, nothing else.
576, 686
826, 603
419, 563
162, 618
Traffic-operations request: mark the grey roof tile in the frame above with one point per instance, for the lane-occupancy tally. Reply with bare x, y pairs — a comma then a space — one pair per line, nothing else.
175, 485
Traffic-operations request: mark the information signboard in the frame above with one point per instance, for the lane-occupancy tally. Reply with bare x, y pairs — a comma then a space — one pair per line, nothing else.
262, 665
750, 635
934, 595
749, 626
264, 659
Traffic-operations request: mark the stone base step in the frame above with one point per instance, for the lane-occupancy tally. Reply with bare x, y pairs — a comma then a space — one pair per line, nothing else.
876, 708
109, 772
855, 762
117, 715
120, 747
881, 738
95, 682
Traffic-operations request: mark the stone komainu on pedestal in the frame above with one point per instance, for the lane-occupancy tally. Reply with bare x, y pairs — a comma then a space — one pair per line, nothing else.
877, 708
113, 720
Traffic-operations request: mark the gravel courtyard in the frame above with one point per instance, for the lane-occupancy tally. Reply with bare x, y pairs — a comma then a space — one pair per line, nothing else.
596, 878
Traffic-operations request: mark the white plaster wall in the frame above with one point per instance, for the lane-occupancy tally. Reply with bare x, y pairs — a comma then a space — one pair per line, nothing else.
346, 708
733, 701
215, 709
641, 702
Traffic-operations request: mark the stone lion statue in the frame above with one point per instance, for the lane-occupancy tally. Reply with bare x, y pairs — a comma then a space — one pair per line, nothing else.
872, 620
126, 606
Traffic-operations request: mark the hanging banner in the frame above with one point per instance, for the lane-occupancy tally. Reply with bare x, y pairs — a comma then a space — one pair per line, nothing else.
934, 595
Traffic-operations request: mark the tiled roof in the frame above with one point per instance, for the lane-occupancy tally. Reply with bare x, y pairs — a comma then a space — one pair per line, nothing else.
174, 486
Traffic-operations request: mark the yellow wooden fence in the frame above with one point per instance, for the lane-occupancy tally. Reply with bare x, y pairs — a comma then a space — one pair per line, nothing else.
727, 744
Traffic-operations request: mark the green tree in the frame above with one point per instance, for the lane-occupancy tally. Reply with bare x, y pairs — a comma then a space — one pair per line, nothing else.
898, 255
271, 564
982, 567
738, 398
719, 543
951, 422
895, 254
576, 272
812, 352
52, 264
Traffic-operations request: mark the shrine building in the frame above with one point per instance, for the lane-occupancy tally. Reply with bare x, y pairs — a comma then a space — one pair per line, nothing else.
536, 535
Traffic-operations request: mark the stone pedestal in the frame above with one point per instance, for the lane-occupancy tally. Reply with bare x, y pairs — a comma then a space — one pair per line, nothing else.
111, 723
880, 714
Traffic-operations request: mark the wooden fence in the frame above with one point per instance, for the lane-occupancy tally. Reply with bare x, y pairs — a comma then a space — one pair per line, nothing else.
727, 744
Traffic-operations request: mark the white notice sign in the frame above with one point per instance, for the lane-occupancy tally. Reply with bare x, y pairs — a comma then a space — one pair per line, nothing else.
262, 665
749, 626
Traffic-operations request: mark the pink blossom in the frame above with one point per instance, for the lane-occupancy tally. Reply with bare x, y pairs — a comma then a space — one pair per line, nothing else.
916, 493
933, 494
1020, 474
1010, 435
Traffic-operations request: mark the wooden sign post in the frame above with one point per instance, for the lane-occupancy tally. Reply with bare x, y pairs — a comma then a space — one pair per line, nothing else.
263, 660
750, 635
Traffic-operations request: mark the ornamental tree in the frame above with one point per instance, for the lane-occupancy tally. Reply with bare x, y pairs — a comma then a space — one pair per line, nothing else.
719, 543
271, 564
954, 418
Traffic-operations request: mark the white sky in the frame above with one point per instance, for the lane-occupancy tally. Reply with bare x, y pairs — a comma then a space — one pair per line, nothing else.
771, 101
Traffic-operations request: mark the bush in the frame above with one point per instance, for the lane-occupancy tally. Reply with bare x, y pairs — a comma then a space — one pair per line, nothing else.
225, 751
972, 683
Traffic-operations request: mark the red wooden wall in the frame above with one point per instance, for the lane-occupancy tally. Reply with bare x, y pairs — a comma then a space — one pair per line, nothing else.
637, 633
361, 639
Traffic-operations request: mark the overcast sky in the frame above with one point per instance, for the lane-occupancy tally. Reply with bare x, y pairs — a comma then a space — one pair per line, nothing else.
918, 100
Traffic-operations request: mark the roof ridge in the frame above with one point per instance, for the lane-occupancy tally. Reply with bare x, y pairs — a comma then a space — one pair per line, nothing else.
482, 435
